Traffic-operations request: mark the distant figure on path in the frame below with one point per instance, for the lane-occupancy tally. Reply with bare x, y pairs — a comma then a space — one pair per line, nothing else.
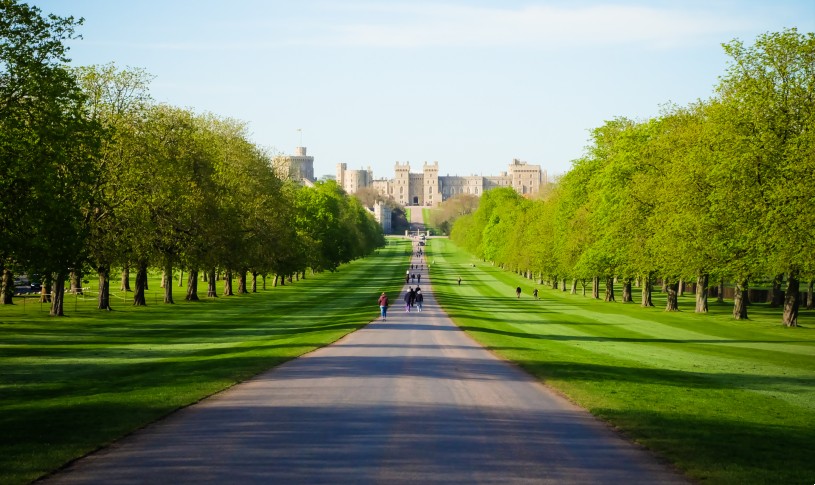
407, 278
419, 278
419, 299
535, 293
459, 281
383, 305
518, 291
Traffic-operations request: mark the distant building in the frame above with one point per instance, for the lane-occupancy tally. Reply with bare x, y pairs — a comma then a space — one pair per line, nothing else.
429, 188
299, 167
382, 214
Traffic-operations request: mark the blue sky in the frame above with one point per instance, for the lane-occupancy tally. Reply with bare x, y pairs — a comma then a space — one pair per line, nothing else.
470, 84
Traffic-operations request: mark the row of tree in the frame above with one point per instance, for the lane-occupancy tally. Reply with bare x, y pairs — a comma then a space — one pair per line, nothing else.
719, 189
95, 175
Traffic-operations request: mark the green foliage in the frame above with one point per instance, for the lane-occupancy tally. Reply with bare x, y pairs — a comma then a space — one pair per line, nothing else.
720, 188
95, 174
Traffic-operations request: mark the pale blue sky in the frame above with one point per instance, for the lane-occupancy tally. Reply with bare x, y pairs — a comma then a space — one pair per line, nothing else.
471, 84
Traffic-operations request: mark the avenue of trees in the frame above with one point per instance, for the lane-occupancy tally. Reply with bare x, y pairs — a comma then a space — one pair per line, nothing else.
720, 190
96, 177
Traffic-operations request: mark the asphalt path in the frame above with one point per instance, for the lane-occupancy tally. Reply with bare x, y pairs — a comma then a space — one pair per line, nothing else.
408, 400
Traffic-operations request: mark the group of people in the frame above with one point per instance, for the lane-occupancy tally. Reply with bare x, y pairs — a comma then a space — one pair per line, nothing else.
413, 298
417, 277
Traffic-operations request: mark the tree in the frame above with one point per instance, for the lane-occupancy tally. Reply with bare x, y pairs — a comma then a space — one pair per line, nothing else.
47, 144
768, 95
118, 100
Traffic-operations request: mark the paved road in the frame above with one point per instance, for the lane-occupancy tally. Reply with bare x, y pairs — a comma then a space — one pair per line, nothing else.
409, 400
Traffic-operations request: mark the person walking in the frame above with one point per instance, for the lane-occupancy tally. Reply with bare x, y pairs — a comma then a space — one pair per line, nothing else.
518, 291
383, 305
419, 299
459, 281
408, 299
418, 277
535, 293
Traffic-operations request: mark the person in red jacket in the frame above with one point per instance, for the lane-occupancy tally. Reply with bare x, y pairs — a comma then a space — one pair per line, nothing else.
383, 305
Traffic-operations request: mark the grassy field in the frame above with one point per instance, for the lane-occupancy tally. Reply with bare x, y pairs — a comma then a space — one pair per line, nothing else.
426, 219
725, 401
70, 385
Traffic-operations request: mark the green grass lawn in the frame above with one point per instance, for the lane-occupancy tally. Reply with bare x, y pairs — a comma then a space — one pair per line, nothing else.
70, 385
725, 401
426, 219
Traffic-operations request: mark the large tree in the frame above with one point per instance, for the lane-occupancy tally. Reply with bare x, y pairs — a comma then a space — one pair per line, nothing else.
768, 101
47, 144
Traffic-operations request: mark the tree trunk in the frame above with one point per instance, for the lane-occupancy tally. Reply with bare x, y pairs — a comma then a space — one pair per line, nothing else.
192, 286
563, 284
776, 296
672, 301
45, 294
792, 300
681, 288
76, 282
290, 279
810, 301
254, 282
263, 280
609, 289
211, 279
228, 283
141, 284
126, 278
740, 300
163, 279
720, 296
583, 284
627, 298
701, 293
58, 297
168, 281
554, 282
274, 281
181, 278
647, 290
8, 287
242, 282
595, 287
574, 286
103, 300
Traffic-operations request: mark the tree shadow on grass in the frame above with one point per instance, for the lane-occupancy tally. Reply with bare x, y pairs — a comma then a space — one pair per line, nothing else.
722, 450
585, 338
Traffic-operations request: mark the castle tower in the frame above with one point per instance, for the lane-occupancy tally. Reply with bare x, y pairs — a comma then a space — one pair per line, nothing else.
432, 196
401, 183
341, 168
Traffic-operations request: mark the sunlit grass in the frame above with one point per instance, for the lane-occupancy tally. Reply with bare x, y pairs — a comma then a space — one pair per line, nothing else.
726, 401
70, 385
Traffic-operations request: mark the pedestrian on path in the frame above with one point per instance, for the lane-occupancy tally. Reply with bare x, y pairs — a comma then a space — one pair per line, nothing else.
419, 299
408, 299
535, 293
459, 281
383, 305
518, 291
419, 278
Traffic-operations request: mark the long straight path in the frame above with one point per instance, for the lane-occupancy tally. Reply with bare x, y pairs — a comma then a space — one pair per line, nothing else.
411, 399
